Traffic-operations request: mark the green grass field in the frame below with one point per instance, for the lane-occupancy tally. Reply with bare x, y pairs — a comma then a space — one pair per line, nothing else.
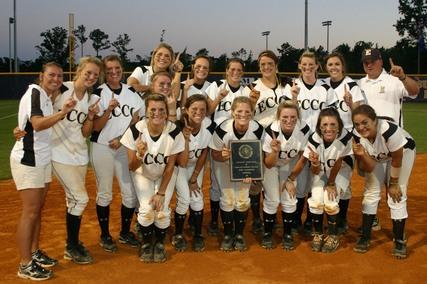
415, 115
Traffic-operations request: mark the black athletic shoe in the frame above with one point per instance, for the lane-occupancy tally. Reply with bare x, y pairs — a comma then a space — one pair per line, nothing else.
288, 242
43, 259
129, 239
227, 243
77, 254
362, 245
179, 242
198, 244
239, 243
108, 244
34, 271
159, 252
267, 241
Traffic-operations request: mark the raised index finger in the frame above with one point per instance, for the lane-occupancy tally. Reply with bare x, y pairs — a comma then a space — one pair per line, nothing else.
273, 135
311, 149
391, 62
177, 56
97, 101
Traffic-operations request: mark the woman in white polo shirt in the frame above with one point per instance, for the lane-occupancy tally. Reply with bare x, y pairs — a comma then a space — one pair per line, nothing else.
30, 162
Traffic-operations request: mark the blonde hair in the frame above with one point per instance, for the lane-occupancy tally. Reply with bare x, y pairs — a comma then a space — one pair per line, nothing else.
312, 55
242, 100
169, 48
287, 104
84, 61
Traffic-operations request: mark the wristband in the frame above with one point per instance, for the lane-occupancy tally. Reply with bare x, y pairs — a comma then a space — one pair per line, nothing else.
394, 172
160, 194
332, 183
404, 78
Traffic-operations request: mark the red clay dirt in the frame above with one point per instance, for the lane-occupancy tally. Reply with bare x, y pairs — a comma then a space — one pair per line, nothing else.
213, 266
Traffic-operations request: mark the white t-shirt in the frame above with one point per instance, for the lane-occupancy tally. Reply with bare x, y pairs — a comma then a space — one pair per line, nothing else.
337, 98
121, 116
68, 143
223, 110
289, 147
169, 143
269, 99
385, 94
35, 148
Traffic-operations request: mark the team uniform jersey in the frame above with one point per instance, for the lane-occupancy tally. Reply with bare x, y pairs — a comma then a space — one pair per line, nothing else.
291, 146
223, 109
340, 148
200, 141
143, 74
195, 89
385, 94
269, 99
121, 116
234, 195
196, 145
311, 101
225, 133
390, 138
68, 143
337, 98
170, 142
34, 148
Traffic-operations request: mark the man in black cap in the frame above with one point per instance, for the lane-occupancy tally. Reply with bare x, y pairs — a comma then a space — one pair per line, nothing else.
385, 91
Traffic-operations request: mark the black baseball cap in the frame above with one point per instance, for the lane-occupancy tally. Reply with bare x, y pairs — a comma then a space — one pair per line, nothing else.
371, 54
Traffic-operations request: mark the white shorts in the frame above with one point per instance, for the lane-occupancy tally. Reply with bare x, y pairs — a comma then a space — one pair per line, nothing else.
26, 177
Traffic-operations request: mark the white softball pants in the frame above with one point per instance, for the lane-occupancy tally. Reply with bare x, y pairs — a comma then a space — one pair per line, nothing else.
186, 199
108, 163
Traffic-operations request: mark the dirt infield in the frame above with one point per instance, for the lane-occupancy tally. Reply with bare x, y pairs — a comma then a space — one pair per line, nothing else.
213, 266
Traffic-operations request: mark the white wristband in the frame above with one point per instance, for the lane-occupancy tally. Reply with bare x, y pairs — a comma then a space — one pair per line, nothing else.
394, 172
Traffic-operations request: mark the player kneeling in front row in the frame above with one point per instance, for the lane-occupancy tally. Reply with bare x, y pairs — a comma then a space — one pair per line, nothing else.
234, 200
284, 143
197, 131
376, 141
327, 150
153, 145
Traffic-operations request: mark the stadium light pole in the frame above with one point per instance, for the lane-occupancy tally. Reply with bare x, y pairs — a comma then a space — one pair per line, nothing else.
266, 34
11, 21
327, 24
306, 26
15, 42
162, 35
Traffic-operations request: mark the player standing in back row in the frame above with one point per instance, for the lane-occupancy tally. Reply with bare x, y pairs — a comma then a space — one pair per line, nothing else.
119, 108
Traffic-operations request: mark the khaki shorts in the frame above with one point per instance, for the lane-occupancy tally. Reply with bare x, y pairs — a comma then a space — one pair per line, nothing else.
26, 177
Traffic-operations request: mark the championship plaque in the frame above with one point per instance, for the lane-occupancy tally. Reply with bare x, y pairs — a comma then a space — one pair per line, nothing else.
246, 160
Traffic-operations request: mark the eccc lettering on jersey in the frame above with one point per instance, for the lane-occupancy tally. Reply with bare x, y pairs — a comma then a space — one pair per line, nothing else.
74, 115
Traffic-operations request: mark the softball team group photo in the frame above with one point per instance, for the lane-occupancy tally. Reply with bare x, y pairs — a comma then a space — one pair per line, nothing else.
164, 135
